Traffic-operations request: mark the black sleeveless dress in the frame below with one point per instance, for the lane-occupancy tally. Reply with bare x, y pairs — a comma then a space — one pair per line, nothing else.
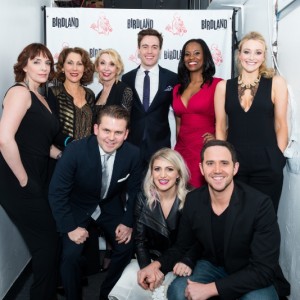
253, 135
28, 207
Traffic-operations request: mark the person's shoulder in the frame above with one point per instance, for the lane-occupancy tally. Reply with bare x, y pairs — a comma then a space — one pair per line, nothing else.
130, 73
89, 91
197, 193
17, 92
19, 88
56, 89
246, 191
217, 80
129, 148
121, 85
278, 81
167, 71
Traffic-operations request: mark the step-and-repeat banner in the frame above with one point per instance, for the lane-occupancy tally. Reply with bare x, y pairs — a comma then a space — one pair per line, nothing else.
95, 29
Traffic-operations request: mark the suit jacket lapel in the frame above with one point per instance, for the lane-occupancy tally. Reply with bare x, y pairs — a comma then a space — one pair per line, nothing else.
115, 171
231, 217
206, 215
161, 87
138, 103
96, 157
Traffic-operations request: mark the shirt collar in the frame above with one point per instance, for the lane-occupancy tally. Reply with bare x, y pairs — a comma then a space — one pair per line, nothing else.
153, 70
102, 152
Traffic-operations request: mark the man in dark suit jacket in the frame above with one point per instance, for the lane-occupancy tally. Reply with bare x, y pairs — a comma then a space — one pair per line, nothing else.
150, 129
75, 200
236, 233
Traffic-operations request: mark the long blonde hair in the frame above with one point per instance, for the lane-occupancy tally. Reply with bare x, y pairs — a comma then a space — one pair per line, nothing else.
172, 156
263, 69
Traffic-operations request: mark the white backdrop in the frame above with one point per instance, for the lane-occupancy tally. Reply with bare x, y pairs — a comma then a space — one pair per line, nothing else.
95, 29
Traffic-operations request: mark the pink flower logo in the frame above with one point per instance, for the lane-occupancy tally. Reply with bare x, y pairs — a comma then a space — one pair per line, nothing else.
102, 26
177, 26
216, 55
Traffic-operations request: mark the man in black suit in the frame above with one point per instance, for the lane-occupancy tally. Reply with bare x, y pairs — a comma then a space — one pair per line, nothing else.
236, 233
78, 193
150, 128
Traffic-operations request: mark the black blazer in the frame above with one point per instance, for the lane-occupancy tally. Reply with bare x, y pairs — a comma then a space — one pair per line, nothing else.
153, 233
151, 128
251, 241
74, 191
120, 94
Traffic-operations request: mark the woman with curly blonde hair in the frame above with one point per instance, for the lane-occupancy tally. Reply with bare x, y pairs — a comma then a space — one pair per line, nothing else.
251, 114
157, 213
109, 66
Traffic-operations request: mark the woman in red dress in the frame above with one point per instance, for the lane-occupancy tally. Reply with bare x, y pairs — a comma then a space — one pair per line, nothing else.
193, 104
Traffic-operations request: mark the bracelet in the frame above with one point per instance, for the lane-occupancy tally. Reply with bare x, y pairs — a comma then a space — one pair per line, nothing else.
59, 155
66, 141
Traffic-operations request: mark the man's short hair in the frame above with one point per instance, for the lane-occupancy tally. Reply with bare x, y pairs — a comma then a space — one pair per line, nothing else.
150, 31
114, 111
222, 144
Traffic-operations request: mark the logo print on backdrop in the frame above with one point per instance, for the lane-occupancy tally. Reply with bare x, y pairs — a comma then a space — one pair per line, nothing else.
102, 26
216, 54
177, 26
135, 58
64, 45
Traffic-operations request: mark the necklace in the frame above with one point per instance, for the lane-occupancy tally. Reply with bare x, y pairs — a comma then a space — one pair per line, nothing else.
250, 85
246, 101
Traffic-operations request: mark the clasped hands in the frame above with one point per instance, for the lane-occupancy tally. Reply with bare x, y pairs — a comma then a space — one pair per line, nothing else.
151, 277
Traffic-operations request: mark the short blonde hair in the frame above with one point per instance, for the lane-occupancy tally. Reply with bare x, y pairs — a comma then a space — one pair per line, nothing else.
116, 59
176, 160
263, 69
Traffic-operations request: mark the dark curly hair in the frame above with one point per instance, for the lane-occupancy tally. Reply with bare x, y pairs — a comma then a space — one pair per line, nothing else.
209, 68
30, 52
87, 63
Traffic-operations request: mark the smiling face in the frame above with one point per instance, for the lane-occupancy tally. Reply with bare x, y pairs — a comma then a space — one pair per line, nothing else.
149, 51
37, 69
193, 57
73, 67
164, 175
218, 168
111, 133
106, 68
252, 55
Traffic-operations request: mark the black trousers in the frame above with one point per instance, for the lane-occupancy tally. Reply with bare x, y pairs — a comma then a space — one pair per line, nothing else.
71, 261
33, 218
262, 168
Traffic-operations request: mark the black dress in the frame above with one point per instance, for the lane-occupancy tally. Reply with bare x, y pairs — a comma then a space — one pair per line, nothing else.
28, 207
253, 135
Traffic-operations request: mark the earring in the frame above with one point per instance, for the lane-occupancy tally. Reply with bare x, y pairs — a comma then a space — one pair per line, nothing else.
177, 180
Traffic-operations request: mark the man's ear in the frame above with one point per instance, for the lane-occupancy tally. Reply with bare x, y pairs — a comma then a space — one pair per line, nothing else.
201, 168
126, 134
236, 168
96, 129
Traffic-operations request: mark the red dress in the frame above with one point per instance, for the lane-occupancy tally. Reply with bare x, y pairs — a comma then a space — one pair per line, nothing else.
196, 119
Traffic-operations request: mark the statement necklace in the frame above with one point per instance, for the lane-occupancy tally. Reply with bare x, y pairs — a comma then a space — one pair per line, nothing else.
246, 86
242, 87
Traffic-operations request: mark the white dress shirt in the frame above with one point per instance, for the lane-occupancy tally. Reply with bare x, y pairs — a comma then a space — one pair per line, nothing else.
154, 81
